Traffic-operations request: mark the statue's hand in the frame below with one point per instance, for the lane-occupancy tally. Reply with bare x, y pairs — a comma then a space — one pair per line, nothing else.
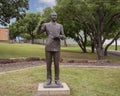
62, 37
56, 37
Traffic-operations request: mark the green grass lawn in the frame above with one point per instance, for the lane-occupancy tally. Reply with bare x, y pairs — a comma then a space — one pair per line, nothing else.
112, 47
21, 50
32, 50
82, 81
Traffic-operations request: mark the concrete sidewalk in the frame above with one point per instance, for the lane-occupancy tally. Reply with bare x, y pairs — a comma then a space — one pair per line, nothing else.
81, 66
114, 52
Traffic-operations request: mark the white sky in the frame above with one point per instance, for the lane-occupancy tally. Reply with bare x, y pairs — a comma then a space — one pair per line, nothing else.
47, 3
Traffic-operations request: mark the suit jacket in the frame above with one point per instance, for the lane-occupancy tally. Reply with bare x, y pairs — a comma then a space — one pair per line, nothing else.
54, 32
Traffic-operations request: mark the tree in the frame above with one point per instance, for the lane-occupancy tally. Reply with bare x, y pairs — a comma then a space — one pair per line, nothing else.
100, 18
26, 25
31, 21
103, 21
15, 30
12, 9
68, 15
46, 14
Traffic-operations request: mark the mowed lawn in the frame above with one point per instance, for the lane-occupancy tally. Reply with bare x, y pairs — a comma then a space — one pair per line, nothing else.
32, 50
82, 81
21, 50
112, 47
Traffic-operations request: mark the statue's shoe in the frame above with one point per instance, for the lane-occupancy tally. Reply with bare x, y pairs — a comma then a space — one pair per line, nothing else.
57, 82
48, 82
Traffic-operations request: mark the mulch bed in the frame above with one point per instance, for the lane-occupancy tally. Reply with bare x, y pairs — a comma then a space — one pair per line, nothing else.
15, 60
19, 63
65, 60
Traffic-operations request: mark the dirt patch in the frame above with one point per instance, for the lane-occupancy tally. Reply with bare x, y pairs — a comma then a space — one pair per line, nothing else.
19, 65
13, 63
16, 60
65, 60
84, 61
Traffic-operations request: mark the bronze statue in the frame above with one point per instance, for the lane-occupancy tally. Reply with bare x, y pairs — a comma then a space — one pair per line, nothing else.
54, 32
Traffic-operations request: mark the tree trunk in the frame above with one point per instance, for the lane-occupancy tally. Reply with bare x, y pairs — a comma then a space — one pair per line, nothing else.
100, 52
105, 51
92, 47
106, 48
32, 39
82, 41
99, 47
116, 44
85, 41
83, 48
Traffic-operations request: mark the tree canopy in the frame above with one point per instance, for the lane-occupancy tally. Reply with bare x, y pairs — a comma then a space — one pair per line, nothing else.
12, 9
25, 26
98, 19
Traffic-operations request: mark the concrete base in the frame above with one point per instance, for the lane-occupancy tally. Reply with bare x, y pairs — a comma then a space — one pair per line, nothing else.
65, 91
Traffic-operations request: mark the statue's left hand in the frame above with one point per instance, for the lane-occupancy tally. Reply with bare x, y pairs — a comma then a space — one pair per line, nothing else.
57, 37
60, 37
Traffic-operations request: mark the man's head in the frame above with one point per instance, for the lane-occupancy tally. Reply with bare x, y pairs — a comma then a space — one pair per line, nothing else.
53, 16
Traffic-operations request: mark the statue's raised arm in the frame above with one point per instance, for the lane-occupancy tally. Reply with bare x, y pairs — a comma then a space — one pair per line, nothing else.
41, 28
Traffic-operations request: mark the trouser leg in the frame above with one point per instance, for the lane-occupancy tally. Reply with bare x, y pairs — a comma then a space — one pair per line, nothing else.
56, 57
49, 63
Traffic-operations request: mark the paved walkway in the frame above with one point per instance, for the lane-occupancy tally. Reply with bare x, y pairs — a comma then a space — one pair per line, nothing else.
62, 65
114, 52
92, 66
82, 66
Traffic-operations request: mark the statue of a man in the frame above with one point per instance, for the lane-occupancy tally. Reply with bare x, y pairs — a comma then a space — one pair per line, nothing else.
54, 32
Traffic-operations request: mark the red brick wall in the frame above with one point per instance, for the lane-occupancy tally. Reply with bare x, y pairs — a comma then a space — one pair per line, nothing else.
4, 34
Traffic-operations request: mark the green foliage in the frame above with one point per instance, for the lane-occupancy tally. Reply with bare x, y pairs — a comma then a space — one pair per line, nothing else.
46, 14
100, 19
26, 25
16, 29
88, 43
12, 9
68, 15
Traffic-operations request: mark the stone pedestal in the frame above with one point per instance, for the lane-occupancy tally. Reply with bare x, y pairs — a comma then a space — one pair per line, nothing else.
65, 91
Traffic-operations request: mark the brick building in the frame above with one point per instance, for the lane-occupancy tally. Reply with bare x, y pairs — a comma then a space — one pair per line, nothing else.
4, 34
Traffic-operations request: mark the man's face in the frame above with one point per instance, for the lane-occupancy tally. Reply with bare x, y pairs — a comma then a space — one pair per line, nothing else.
53, 16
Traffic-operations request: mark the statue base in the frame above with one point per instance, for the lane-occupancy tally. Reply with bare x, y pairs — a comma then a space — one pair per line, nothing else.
53, 90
